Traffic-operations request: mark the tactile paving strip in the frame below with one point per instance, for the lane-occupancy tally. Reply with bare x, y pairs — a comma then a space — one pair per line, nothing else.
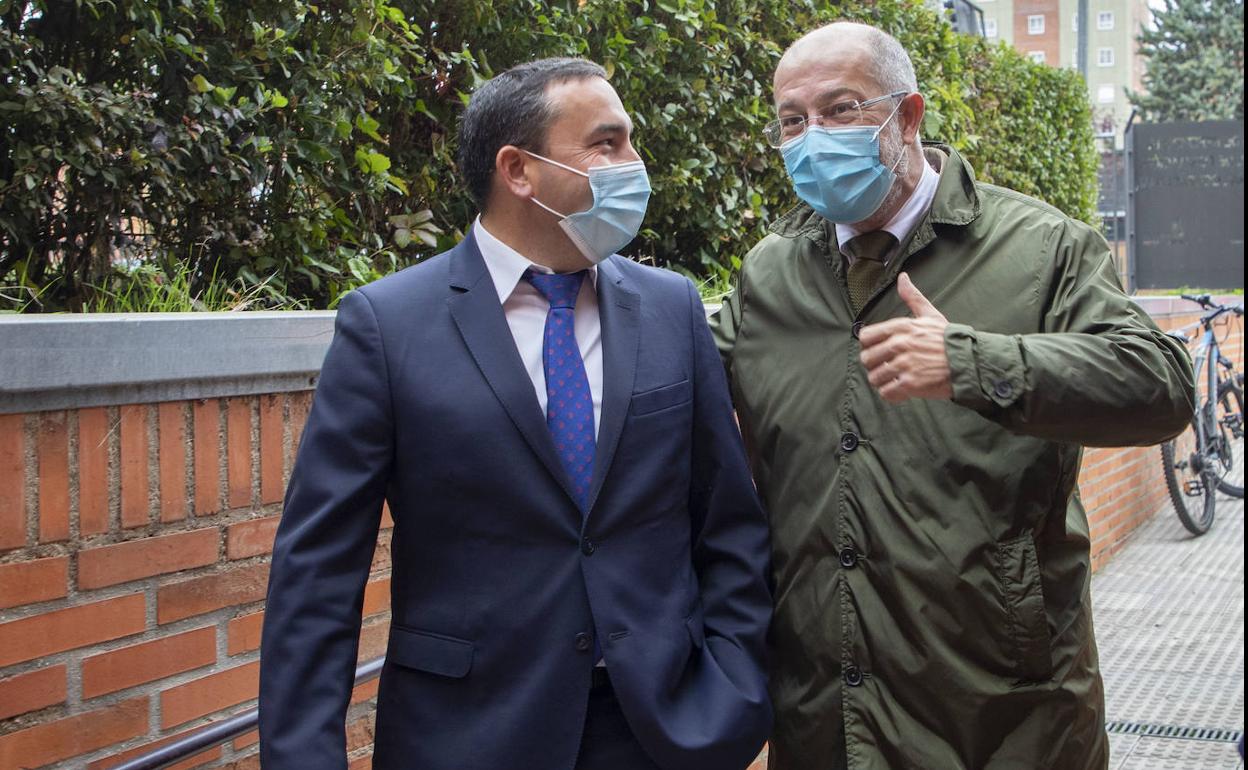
1169, 614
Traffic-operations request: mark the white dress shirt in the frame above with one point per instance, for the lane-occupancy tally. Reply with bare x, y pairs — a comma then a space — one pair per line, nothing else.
526, 309
907, 217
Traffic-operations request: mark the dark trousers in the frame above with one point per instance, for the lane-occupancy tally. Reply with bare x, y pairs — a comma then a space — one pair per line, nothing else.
608, 742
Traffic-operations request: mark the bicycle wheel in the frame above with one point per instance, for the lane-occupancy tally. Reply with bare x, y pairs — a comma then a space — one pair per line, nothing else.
1191, 485
1230, 438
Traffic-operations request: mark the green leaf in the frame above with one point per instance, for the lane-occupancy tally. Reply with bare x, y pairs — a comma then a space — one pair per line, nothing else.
201, 84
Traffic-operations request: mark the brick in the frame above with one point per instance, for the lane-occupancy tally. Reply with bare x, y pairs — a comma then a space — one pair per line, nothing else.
242, 585
387, 521
238, 451
373, 641
366, 691
172, 424
137, 559
146, 662
209, 694
12, 481
272, 458
251, 538
70, 628
300, 405
251, 762
32, 691
134, 491
247, 739
27, 582
376, 597
360, 732
243, 633
361, 763
93, 432
207, 415
113, 760
53, 452
73, 736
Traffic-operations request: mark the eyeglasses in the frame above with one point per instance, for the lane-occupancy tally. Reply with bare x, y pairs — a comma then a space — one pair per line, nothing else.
847, 113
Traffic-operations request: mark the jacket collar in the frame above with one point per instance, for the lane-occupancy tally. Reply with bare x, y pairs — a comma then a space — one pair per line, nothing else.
956, 202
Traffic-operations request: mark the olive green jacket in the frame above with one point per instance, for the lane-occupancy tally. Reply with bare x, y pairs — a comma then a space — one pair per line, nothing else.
931, 558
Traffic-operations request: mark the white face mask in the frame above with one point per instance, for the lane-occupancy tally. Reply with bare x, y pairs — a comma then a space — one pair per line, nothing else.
621, 195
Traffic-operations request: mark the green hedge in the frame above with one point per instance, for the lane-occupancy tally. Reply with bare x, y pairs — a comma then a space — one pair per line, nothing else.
298, 150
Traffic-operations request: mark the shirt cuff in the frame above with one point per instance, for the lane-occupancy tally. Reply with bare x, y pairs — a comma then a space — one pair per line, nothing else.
986, 369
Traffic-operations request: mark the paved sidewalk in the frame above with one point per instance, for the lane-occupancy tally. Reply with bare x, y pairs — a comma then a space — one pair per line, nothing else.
1169, 613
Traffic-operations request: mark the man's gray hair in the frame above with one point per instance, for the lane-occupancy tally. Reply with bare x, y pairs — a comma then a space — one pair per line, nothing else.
890, 63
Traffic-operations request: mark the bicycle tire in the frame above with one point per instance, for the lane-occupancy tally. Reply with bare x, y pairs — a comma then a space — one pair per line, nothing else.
1231, 402
1196, 511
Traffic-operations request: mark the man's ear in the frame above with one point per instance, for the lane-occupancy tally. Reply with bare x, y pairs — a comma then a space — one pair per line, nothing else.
511, 171
911, 114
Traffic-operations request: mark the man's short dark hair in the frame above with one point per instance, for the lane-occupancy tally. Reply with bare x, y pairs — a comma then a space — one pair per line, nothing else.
512, 108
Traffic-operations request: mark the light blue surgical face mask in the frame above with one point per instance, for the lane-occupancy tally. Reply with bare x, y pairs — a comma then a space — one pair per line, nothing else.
621, 194
838, 170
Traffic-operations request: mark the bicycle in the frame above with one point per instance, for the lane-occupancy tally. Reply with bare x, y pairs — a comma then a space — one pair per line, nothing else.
1202, 459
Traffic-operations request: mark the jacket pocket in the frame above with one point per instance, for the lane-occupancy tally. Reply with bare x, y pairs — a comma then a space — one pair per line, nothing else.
429, 652
661, 398
1027, 625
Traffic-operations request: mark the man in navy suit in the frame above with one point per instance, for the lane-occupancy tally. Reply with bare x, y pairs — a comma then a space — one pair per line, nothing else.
579, 554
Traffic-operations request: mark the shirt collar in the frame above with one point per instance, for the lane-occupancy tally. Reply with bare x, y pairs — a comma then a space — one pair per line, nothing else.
506, 265
907, 217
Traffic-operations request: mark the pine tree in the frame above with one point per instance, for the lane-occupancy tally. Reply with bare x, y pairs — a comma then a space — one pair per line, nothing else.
1194, 62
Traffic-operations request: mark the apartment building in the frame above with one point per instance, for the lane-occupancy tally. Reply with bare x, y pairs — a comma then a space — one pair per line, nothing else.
1048, 32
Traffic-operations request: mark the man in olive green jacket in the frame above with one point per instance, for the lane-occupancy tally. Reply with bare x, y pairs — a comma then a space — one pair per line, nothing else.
917, 435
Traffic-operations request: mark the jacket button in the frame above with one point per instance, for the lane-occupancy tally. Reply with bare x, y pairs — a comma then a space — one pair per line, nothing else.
853, 676
1003, 389
583, 642
588, 547
849, 558
856, 329
849, 442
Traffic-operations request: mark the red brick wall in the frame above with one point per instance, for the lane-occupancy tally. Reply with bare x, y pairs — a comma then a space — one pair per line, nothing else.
134, 546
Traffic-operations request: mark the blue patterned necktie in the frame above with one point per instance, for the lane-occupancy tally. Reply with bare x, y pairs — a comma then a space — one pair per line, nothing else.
569, 403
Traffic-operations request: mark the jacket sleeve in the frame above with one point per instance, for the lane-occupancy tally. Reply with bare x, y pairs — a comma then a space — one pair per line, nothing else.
323, 551
731, 552
1099, 372
726, 322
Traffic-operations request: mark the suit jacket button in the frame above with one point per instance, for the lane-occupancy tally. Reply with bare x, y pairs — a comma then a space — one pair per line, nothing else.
588, 547
853, 676
849, 442
856, 329
849, 558
583, 642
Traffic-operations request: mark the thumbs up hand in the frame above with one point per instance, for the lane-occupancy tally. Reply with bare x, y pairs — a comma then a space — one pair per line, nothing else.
905, 357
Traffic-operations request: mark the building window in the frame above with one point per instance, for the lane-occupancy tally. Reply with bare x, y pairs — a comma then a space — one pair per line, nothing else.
1035, 24
1104, 57
990, 27
1105, 94
1105, 20
1036, 56
1074, 23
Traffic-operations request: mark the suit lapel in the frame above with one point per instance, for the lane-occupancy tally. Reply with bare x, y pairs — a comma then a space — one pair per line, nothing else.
619, 313
475, 308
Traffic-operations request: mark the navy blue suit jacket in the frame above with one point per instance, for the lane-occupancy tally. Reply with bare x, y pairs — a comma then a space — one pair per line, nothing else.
498, 577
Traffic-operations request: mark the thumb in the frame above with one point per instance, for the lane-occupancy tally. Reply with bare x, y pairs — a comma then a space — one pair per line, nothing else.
914, 299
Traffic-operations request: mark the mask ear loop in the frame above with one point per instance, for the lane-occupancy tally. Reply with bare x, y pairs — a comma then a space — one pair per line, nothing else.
556, 163
560, 165
900, 155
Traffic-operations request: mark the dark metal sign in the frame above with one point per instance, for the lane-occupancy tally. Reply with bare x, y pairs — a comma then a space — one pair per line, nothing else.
1186, 209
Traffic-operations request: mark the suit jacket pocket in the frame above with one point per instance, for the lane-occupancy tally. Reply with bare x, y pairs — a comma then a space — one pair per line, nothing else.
1026, 621
429, 652
661, 398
